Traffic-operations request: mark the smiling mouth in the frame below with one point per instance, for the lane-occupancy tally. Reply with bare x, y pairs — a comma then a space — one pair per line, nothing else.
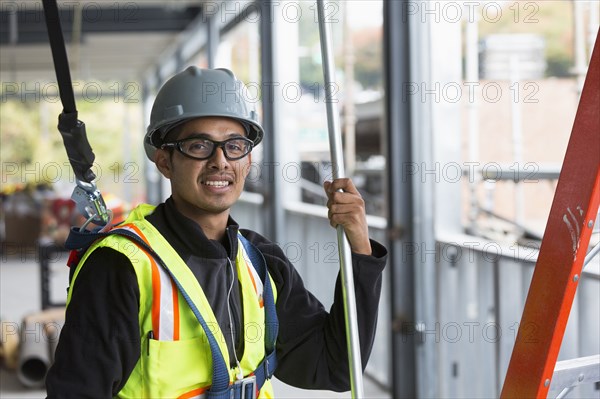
216, 183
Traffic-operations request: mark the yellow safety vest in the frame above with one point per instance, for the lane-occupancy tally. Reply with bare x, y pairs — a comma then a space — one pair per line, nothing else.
175, 357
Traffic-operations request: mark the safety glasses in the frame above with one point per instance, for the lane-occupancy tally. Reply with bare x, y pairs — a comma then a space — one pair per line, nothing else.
203, 148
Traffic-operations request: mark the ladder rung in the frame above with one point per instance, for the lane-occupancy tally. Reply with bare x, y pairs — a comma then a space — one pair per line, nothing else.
573, 372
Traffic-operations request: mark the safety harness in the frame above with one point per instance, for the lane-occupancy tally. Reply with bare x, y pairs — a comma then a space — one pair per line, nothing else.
90, 203
247, 388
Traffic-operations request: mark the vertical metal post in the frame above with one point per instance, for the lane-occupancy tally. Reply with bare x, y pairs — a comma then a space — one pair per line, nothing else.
517, 136
273, 207
153, 180
156, 183
335, 144
43, 251
399, 195
472, 75
425, 120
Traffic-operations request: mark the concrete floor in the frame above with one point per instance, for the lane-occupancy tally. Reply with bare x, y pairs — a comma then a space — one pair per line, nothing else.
20, 295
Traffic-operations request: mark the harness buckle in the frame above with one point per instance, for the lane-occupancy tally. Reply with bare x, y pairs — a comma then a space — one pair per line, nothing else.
90, 203
244, 385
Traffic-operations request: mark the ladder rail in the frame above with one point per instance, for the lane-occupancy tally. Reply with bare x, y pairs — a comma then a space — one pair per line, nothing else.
562, 253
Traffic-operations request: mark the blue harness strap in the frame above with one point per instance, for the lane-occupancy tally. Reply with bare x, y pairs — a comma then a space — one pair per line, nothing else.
266, 368
220, 388
272, 323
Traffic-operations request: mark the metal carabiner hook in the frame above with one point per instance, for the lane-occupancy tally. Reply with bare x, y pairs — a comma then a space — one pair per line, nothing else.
90, 203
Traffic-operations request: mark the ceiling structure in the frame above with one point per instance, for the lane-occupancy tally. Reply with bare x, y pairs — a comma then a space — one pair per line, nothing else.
106, 40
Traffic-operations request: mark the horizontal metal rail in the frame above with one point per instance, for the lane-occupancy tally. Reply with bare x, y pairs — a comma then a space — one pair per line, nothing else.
570, 373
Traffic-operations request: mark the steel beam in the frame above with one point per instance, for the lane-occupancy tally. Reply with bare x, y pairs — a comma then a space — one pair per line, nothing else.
272, 206
399, 194
125, 18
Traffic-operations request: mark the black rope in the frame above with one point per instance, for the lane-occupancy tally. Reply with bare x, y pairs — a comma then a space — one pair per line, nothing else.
72, 129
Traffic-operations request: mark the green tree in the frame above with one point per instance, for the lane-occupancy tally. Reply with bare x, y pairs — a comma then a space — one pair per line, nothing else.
19, 124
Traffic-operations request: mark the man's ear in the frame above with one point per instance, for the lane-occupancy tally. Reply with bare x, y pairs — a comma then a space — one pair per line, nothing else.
162, 159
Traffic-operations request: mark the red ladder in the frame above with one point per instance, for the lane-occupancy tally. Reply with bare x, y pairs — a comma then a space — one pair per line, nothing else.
562, 252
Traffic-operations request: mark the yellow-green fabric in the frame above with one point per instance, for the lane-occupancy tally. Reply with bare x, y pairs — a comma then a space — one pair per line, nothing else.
173, 369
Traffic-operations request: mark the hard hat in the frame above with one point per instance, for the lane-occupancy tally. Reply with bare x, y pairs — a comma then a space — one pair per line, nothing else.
195, 93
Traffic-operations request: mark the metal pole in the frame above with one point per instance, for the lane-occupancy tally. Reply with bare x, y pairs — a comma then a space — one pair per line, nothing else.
212, 44
335, 144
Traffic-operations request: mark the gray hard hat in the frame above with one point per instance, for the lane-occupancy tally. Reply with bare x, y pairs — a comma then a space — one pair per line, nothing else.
194, 93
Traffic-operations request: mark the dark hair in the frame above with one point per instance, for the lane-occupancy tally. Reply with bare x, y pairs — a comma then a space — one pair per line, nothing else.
173, 133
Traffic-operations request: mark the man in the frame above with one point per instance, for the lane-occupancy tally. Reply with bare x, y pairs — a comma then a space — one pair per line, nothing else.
164, 313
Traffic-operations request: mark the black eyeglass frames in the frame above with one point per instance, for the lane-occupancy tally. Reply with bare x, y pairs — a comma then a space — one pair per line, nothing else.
203, 148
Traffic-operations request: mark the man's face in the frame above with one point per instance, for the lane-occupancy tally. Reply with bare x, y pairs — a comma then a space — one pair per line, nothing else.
210, 186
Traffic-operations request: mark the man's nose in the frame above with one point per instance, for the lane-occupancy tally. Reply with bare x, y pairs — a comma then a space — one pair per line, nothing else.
218, 159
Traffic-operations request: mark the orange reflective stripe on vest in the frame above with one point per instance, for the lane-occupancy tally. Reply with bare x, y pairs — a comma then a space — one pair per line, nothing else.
165, 300
197, 393
254, 277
